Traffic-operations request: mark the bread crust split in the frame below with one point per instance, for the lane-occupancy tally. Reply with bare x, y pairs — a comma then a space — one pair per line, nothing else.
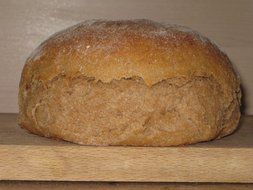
131, 83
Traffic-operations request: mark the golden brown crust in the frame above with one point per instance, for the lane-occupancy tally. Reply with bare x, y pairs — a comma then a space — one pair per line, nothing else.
124, 54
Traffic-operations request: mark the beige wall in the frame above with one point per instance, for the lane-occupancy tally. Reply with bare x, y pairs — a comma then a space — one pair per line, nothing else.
26, 23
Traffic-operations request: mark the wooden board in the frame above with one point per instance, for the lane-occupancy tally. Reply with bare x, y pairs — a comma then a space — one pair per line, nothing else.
25, 156
25, 24
30, 185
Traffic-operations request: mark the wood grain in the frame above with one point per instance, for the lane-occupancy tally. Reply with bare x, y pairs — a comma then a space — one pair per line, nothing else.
24, 24
28, 185
29, 157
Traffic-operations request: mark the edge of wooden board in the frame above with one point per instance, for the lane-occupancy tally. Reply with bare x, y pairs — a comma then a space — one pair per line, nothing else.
59, 185
86, 163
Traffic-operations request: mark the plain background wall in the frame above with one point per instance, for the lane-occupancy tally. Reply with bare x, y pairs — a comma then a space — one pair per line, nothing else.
24, 24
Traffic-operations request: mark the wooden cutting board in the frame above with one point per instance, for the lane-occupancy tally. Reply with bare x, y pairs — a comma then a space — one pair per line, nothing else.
25, 156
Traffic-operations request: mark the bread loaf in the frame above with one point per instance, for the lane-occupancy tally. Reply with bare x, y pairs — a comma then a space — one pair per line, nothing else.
129, 82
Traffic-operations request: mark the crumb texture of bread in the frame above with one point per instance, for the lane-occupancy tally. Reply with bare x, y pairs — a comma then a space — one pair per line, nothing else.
131, 83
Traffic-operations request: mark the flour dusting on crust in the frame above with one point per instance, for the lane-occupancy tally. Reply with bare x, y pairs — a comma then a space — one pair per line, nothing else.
102, 30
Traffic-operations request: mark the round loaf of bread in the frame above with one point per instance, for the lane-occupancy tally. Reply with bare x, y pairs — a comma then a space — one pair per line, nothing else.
129, 82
